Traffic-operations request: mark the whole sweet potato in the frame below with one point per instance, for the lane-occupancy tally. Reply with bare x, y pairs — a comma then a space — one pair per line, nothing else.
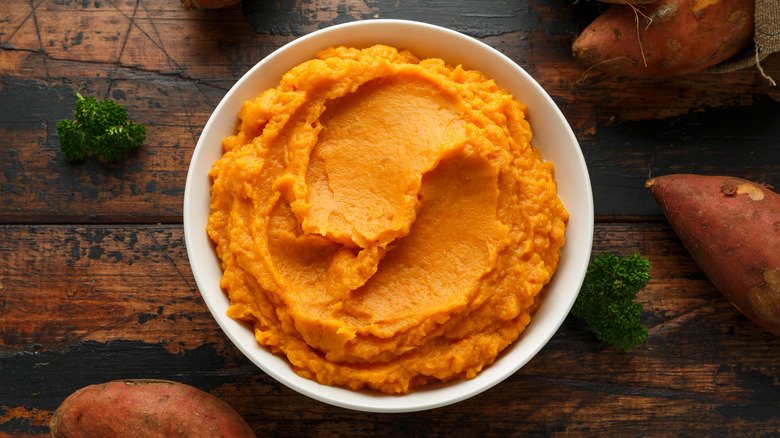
145, 408
731, 227
666, 38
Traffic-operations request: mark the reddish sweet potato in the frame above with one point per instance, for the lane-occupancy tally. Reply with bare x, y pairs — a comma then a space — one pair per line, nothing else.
731, 227
666, 38
145, 408
207, 4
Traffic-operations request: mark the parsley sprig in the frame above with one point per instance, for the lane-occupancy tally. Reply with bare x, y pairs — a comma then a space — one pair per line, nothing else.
606, 299
100, 127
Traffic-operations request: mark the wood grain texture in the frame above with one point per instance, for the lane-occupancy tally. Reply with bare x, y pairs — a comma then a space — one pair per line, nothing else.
171, 67
95, 282
123, 305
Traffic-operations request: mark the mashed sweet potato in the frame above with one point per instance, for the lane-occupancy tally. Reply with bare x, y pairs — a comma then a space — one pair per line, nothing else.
384, 221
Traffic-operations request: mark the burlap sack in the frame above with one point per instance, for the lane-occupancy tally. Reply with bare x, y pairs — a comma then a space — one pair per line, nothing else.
766, 38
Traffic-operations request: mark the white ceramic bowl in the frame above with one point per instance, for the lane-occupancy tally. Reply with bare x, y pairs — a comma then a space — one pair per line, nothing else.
552, 136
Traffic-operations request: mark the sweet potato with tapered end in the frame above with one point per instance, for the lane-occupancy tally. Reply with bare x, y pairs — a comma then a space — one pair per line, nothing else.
145, 408
666, 38
731, 227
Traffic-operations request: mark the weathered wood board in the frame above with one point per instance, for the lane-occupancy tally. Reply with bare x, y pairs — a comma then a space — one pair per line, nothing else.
95, 282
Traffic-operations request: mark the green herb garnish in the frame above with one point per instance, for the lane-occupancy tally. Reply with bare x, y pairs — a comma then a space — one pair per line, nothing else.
100, 127
606, 299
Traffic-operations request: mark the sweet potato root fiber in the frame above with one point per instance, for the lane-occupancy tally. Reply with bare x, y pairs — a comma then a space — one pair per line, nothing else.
666, 38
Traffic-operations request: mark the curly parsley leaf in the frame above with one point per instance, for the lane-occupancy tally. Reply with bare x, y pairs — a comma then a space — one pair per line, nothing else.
606, 299
100, 127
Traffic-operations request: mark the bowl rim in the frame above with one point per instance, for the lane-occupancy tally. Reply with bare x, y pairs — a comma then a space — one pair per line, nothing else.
433, 395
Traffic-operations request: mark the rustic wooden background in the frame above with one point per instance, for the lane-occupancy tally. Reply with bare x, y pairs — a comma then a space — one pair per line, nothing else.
94, 279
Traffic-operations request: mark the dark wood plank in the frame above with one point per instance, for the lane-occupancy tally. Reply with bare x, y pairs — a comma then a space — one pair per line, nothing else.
739, 141
95, 283
171, 67
122, 283
166, 65
86, 304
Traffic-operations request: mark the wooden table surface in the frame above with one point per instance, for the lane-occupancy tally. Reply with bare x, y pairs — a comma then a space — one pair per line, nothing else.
95, 283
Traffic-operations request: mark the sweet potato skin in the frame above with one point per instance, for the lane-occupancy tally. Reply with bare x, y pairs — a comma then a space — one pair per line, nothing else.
731, 227
666, 38
145, 408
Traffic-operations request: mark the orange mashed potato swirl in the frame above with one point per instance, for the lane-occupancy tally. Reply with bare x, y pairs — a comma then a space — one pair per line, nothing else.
384, 221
